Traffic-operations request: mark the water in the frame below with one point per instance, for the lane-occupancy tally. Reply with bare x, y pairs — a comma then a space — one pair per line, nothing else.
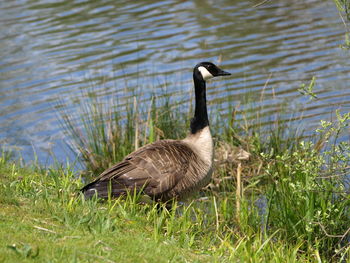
53, 50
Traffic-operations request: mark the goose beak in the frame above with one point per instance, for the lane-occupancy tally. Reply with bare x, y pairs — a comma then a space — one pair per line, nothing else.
223, 73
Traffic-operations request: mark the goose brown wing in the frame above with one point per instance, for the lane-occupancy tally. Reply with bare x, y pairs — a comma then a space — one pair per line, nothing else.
155, 168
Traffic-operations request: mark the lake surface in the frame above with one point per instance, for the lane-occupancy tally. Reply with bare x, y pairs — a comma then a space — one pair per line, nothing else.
56, 50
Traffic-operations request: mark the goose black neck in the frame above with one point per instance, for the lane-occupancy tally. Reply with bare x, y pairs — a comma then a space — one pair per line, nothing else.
200, 119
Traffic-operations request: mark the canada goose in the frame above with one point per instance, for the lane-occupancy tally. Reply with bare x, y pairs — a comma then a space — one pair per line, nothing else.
167, 169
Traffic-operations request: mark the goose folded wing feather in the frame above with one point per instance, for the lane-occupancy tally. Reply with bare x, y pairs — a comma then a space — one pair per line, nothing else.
155, 169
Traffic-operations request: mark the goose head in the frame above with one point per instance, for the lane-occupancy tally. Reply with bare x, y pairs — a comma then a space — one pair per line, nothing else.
208, 70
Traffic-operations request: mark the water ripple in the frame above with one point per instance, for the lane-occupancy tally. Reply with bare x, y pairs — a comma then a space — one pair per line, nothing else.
57, 49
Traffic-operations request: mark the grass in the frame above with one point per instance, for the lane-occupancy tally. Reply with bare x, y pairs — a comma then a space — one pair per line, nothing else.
43, 219
275, 196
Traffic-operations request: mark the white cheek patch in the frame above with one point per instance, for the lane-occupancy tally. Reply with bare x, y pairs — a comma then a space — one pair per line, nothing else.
205, 73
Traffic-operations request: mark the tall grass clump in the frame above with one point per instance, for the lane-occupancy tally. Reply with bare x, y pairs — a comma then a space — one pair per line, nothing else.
5, 155
242, 136
102, 136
